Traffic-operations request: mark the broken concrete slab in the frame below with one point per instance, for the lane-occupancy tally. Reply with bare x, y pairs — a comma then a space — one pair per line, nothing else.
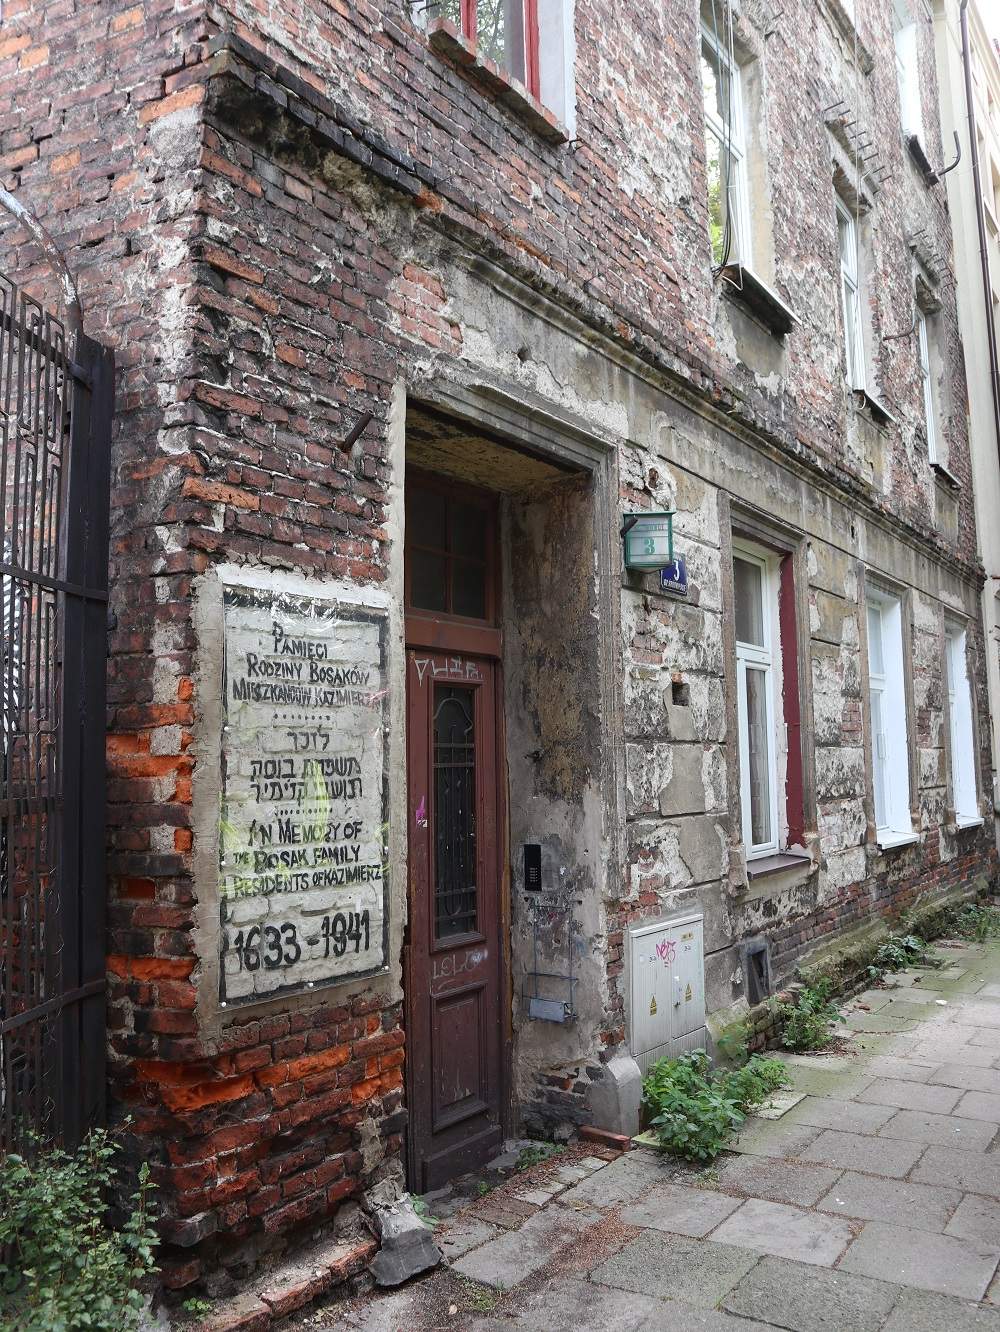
773, 1138
811, 1300
847, 1116
407, 1245
623, 1180
906, 1094
785, 1232
923, 1206
511, 1258
917, 1258
676, 1268
463, 1234
777, 1180
680, 1211
939, 1130
778, 1105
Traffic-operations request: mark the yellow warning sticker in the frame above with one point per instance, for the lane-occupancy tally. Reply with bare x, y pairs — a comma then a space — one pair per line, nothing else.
687, 994
652, 1006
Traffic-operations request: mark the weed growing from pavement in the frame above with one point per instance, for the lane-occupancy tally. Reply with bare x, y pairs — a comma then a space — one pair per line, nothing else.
536, 1154
477, 1298
805, 1025
694, 1109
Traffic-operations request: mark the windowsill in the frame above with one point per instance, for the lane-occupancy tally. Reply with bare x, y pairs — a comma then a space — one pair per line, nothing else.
887, 840
743, 285
762, 866
871, 405
964, 822
916, 149
848, 26
447, 41
942, 473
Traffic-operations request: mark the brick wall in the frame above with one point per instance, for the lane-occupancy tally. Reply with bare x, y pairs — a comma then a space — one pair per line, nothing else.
258, 232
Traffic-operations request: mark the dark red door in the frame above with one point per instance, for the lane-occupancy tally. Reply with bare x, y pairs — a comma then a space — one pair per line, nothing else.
455, 971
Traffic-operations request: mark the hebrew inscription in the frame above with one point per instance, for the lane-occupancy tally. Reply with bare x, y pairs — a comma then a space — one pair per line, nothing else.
303, 811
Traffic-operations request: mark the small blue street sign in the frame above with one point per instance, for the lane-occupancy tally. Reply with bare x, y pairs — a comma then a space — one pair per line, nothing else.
674, 578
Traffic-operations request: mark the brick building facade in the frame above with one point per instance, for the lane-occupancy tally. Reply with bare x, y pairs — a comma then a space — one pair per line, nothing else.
367, 291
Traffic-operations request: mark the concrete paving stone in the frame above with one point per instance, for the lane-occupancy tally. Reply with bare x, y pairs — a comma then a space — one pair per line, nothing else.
778, 1105
922, 1206
674, 1268
973, 1056
968, 1077
592, 1163
509, 1259
990, 990
880, 1022
624, 1179
917, 1258
909, 1095
975, 1172
987, 1035
761, 1137
985, 1016
873, 1156
980, 1105
920, 1311
873, 1000
463, 1234
920, 994
826, 1063
573, 1304
537, 1197
973, 1135
847, 1116
785, 1232
779, 1181
976, 1219
679, 1210
820, 1082
811, 1299
927, 1011
379, 1313
891, 1066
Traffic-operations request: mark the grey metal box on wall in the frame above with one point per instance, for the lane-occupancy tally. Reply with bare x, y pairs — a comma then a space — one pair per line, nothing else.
667, 964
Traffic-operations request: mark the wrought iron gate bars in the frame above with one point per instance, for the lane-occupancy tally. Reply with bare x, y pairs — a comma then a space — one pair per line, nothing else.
55, 416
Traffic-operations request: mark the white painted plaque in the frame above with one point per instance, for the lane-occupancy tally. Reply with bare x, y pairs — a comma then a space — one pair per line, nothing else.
303, 816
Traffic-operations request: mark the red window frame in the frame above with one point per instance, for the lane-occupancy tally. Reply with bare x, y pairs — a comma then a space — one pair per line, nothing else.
531, 70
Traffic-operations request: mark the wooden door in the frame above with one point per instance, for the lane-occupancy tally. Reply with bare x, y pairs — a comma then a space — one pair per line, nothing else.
456, 973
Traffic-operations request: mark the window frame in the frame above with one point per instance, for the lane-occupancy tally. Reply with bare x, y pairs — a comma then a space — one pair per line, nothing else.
737, 191
850, 283
767, 659
964, 784
906, 44
931, 415
893, 734
469, 12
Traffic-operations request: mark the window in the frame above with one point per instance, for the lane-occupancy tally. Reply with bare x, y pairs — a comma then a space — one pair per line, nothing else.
887, 713
448, 545
850, 290
725, 149
757, 660
504, 31
927, 385
908, 76
963, 756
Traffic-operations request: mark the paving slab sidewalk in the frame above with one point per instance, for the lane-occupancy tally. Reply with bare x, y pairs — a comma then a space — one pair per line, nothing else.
871, 1205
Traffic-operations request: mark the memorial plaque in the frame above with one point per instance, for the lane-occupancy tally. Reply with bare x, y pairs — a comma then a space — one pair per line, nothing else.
303, 812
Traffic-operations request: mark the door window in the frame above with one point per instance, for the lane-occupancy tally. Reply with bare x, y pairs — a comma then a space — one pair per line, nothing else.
454, 812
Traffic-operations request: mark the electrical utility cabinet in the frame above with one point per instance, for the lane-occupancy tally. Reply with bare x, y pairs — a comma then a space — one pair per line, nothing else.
668, 988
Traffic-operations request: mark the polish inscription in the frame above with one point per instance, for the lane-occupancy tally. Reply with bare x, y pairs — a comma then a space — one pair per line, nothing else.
302, 829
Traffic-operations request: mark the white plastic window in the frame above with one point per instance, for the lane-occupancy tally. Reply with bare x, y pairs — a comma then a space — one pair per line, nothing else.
887, 718
908, 79
725, 149
850, 292
963, 757
757, 669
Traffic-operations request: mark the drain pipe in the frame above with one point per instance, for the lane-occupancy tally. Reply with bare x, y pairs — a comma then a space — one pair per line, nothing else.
984, 254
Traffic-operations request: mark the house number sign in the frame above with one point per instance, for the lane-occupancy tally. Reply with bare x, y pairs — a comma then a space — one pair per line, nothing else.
302, 820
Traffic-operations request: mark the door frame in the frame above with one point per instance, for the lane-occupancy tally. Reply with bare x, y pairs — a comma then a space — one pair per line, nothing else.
442, 633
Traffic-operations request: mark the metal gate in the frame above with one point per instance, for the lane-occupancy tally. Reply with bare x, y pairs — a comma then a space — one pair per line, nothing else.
55, 418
